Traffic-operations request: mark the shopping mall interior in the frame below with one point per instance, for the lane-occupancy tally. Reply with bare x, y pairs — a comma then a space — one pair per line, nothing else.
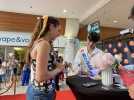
81, 23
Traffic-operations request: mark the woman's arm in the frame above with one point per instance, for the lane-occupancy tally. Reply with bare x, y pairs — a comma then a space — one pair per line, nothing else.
131, 91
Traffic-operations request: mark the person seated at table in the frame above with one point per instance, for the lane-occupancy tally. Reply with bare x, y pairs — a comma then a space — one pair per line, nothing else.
90, 60
83, 56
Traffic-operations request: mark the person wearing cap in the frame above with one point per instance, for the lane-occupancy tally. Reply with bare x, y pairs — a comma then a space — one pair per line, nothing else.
84, 55
131, 87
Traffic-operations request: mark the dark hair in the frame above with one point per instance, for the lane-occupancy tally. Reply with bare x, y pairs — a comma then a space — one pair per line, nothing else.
40, 30
94, 37
131, 13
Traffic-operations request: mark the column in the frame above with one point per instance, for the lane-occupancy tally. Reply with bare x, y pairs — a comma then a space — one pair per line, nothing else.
71, 31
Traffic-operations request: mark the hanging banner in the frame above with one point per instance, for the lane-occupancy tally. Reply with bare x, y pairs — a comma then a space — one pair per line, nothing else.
14, 38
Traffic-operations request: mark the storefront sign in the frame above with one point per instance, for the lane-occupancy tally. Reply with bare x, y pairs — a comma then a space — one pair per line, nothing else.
14, 38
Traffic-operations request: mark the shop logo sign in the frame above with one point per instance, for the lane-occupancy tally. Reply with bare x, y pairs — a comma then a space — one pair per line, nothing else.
15, 39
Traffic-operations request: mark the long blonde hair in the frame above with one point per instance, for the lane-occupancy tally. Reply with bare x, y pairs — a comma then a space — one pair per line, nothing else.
40, 30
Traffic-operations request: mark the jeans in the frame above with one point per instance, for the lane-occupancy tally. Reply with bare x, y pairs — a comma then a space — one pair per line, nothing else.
25, 77
39, 94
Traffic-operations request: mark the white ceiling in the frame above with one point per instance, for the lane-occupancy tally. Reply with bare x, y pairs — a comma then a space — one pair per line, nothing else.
87, 11
75, 8
118, 10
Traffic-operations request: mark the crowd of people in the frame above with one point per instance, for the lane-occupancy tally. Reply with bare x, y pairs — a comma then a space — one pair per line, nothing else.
9, 69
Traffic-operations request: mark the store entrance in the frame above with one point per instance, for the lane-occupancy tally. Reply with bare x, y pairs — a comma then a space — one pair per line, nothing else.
12, 65
19, 52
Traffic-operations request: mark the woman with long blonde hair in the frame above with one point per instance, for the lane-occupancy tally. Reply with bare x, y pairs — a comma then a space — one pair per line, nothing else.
42, 85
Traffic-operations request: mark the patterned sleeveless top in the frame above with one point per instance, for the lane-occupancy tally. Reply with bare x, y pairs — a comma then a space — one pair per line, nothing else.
49, 84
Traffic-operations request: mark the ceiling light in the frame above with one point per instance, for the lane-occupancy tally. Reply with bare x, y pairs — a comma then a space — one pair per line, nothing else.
115, 21
64, 11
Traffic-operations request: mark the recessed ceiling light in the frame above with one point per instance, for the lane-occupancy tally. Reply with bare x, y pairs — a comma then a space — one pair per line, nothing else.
115, 21
64, 11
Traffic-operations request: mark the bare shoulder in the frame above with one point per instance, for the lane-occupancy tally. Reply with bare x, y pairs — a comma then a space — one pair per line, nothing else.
43, 45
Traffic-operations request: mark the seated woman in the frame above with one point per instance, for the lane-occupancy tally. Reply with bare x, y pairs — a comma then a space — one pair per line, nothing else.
91, 60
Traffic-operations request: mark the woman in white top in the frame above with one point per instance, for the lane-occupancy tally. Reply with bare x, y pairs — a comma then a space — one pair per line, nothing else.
82, 61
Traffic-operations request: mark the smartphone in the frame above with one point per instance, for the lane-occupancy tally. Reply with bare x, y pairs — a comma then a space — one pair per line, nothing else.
89, 84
